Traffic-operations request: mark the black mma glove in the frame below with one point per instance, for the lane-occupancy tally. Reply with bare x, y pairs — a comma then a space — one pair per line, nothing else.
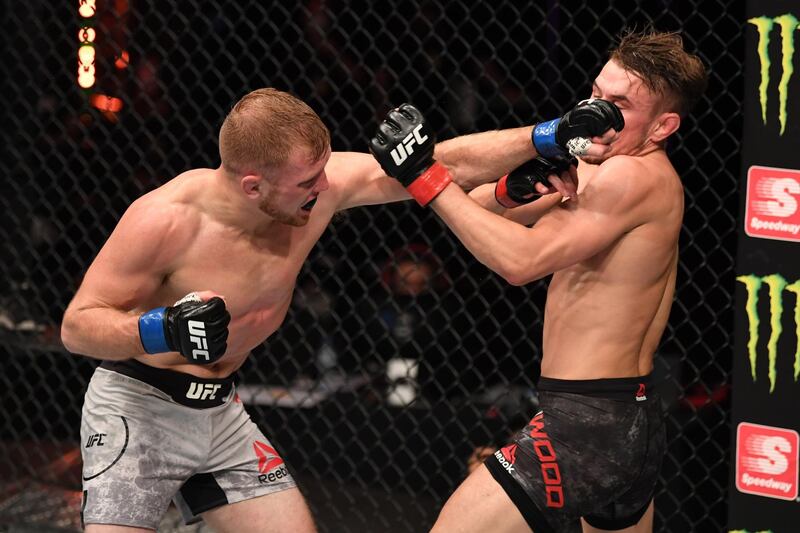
403, 145
519, 186
570, 134
196, 329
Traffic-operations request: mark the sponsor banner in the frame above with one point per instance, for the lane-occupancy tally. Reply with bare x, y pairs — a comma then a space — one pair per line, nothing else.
772, 206
763, 493
767, 461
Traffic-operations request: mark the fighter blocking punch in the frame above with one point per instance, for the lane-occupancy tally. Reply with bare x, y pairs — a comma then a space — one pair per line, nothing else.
556, 141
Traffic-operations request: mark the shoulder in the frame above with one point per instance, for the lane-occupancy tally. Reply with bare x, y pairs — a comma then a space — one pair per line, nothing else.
160, 217
348, 166
632, 178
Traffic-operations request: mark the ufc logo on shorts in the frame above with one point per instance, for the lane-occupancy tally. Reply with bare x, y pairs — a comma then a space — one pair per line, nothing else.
197, 336
406, 148
772, 208
202, 391
767, 461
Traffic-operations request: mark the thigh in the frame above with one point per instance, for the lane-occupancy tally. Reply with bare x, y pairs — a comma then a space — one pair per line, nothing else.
480, 504
132, 464
242, 465
276, 512
644, 525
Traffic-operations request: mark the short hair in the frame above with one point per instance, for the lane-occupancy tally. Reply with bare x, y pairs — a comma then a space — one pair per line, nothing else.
658, 58
264, 127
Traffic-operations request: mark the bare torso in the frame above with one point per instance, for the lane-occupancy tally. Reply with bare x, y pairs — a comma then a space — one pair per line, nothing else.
604, 317
255, 275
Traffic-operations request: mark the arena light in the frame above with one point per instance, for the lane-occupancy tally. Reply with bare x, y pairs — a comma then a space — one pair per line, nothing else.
87, 8
106, 103
86, 52
86, 69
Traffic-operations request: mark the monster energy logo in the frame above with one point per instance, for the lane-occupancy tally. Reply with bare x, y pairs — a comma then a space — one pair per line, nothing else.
788, 24
777, 285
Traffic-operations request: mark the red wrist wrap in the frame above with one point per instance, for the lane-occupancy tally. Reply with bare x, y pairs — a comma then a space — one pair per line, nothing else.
501, 194
429, 184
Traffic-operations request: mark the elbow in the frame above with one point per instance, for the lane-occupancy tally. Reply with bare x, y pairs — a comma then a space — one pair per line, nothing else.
520, 274
69, 334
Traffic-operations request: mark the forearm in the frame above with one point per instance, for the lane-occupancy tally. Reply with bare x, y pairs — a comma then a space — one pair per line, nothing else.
102, 333
498, 243
484, 197
482, 157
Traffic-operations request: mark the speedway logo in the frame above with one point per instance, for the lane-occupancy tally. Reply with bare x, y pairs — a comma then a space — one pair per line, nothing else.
767, 461
771, 208
777, 288
787, 24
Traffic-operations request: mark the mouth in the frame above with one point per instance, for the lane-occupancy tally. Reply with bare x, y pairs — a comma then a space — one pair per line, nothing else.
309, 205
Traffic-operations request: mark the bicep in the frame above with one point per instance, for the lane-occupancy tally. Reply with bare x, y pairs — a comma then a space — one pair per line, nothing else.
358, 180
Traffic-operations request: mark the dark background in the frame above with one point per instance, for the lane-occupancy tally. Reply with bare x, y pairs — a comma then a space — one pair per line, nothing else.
69, 171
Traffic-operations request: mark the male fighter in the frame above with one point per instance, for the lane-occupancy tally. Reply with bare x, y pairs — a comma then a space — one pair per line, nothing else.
595, 448
196, 274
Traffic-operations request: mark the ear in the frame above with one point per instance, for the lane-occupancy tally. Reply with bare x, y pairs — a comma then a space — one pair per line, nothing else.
251, 185
664, 126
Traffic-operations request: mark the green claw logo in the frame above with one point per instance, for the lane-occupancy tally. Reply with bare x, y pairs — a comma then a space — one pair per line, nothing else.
777, 285
788, 25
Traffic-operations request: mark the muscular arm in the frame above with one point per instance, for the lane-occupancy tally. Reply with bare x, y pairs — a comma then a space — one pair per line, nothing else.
574, 231
102, 319
471, 160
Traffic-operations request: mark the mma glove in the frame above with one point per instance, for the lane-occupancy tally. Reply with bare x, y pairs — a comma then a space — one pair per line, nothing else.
403, 145
197, 330
519, 186
570, 134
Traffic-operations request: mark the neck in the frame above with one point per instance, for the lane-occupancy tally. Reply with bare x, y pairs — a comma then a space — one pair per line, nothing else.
225, 202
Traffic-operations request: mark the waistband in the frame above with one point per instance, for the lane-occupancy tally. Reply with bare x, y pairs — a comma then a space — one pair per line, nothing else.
633, 389
185, 389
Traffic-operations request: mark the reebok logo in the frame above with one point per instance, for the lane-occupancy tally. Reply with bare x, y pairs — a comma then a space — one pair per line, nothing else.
406, 148
197, 336
641, 393
268, 461
506, 457
202, 391
767, 461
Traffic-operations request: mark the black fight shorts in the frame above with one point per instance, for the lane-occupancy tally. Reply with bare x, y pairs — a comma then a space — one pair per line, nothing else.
593, 451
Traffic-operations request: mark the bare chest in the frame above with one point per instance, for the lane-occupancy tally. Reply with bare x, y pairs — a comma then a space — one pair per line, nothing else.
256, 279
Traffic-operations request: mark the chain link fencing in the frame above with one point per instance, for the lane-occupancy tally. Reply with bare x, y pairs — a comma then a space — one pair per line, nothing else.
324, 387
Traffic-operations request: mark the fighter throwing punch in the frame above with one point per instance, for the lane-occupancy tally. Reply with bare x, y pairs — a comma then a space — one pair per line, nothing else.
196, 274
594, 450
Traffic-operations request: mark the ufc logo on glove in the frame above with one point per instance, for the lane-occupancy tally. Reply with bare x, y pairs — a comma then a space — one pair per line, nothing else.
403, 150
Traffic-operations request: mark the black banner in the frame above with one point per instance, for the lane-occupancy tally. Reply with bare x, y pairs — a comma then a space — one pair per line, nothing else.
766, 370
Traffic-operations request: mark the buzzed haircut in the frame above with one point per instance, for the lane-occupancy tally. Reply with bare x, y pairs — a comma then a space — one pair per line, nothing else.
263, 129
659, 59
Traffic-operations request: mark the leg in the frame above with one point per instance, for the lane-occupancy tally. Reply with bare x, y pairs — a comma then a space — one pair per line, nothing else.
645, 524
277, 512
108, 528
480, 504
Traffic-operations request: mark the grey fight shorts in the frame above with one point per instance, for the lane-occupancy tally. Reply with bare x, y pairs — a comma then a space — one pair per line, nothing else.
149, 436
593, 451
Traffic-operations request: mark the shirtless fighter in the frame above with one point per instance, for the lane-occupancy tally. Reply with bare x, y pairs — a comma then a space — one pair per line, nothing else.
594, 450
196, 274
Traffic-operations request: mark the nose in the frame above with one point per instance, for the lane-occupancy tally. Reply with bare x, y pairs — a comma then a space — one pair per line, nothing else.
322, 183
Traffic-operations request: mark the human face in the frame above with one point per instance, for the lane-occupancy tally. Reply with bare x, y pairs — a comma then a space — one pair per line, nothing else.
293, 189
639, 106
